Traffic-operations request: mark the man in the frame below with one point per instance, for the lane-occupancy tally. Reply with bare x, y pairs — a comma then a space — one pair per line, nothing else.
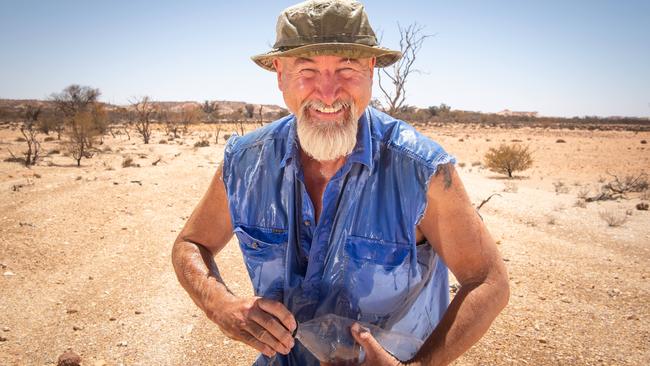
339, 208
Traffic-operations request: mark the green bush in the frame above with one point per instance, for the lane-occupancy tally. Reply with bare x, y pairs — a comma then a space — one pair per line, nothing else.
507, 159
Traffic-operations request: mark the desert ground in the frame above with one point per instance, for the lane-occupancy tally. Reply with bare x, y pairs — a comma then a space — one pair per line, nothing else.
85, 252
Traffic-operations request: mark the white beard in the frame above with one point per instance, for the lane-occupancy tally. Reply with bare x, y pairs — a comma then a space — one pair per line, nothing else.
327, 140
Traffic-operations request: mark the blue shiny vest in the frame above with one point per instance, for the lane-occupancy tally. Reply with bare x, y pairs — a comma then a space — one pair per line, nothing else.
361, 259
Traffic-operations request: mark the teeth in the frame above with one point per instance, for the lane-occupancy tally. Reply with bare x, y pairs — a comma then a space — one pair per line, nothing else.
329, 109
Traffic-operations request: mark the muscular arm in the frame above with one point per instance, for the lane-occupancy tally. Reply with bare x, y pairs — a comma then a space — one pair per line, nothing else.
262, 324
459, 236
206, 232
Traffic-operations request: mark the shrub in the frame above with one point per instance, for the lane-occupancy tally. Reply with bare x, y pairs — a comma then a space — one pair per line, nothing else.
560, 187
560, 141
580, 203
461, 164
128, 162
507, 159
202, 143
612, 219
510, 187
642, 206
49, 138
163, 141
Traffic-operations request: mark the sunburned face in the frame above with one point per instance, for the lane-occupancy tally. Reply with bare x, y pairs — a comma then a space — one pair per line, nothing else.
327, 94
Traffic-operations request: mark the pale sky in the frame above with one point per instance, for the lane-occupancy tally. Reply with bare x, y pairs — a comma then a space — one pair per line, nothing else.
561, 58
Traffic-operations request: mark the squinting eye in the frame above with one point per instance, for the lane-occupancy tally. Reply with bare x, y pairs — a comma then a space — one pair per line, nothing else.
307, 72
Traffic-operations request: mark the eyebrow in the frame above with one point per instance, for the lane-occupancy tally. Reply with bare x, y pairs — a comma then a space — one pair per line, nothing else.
306, 60
303, 60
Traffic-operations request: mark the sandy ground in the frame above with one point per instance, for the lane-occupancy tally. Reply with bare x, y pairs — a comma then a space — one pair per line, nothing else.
85, 253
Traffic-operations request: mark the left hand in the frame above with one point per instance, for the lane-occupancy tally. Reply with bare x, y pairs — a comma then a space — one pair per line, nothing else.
375, 353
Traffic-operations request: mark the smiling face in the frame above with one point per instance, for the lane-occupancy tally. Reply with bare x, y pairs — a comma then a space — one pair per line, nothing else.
327, 94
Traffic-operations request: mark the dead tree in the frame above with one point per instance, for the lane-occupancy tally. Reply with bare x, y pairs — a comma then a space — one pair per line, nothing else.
29, 132
392, 80
261, 115
211, 111
142, 116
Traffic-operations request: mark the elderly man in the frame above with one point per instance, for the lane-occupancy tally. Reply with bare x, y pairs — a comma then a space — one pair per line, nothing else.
340, 209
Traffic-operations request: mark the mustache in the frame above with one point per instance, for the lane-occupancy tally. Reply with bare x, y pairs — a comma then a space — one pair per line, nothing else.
339, 103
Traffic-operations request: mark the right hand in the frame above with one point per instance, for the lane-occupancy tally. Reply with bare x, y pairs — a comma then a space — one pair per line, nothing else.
263, 324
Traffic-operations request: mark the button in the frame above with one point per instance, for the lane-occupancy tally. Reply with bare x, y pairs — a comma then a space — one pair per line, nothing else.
307, 223
254, 245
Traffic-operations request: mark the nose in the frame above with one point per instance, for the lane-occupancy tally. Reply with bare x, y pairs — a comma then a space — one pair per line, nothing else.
328, 88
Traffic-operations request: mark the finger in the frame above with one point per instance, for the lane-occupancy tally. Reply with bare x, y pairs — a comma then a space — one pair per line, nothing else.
250, 340
279, 311
264, 336
271, 324
363, 336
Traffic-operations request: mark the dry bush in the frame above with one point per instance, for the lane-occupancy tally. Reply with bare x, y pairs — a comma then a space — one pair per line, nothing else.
128, 162
583, 193
510, 187
561, 187
619, 188
580, 203
162, 141
143, 116
203, 142
613, 219
507, 159
642, 206
551, 220
461, 165
477, 163
560, 141
49, 139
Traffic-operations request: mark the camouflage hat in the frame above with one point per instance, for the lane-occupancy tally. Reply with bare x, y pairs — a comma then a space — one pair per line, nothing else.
326, 27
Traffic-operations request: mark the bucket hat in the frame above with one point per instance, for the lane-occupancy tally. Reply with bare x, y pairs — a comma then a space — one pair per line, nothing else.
326, 27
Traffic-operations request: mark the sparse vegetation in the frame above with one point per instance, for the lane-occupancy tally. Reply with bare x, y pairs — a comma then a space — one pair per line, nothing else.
620, 187
510, 187
507, 159
142, 116
613, 219
642, 206
561, 187
128, 162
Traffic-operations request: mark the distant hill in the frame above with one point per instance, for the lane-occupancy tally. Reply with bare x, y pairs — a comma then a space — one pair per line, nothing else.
13, 106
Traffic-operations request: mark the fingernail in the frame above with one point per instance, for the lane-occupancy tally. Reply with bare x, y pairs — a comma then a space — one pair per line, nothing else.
363, 329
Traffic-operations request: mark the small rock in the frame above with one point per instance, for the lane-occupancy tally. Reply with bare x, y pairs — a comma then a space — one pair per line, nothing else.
9, 274
138, 312
613, 292
112, 319
72, 311
5, 329
565, 300
542, 340
90, 277
632, 317
69, 358
122, 344
76, 327
3, 339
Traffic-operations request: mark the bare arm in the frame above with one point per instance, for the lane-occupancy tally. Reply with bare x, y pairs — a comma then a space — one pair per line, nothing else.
260, 323
459, 236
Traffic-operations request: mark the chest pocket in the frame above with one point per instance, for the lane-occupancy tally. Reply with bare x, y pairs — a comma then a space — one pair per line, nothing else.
264, 252
377, 276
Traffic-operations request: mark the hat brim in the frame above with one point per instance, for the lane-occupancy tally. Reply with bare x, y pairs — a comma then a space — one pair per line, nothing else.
384, 56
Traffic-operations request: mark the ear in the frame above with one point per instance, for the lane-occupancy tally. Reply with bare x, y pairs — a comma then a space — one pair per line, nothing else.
373, 62
277, 64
